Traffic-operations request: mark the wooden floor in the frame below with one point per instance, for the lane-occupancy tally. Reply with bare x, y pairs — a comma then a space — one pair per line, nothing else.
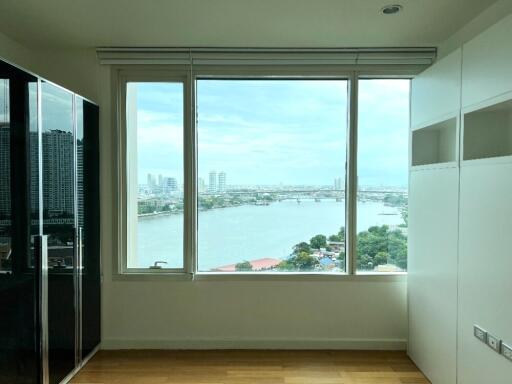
248, 367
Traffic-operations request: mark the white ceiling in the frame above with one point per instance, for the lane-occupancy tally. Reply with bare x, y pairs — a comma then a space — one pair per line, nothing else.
233, 23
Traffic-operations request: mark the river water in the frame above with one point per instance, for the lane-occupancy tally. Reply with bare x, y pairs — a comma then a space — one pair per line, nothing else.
249, 232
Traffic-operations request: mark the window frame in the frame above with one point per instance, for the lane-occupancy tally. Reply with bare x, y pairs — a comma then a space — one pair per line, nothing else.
188, 75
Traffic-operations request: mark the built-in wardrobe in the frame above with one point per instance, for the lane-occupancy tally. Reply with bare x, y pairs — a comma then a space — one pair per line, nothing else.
49, 229
460, 213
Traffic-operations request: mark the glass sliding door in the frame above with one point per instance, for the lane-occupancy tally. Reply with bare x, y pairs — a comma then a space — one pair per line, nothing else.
19, 223
58, 155
88, 231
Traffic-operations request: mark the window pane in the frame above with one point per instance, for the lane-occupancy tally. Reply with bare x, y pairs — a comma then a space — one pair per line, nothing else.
271, 175
154, 113
382, 175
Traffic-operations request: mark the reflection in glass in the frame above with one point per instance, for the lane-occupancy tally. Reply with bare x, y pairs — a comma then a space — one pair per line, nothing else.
5, 180
59, 224
382, 162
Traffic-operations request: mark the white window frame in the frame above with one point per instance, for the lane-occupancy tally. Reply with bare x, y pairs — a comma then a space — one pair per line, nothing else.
188, 75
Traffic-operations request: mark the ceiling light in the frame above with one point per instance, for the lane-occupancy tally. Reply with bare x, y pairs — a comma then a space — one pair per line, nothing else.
392, 9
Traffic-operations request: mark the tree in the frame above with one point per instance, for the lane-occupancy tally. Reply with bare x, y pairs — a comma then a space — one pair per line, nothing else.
244, 266
339, 237
301, 247
318, 241
302, 261
379, 245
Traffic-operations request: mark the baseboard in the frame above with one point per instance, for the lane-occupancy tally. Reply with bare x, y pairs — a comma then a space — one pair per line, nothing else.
333, 344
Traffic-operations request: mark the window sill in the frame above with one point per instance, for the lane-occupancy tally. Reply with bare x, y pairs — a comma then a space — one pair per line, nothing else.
254, 277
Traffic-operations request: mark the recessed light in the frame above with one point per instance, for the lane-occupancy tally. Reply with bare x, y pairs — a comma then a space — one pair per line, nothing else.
392, 9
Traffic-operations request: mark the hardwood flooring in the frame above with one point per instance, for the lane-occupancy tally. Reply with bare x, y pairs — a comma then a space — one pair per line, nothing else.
250, 367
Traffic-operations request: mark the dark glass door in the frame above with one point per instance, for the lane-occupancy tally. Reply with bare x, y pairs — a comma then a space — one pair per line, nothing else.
88, 219
20, 355
58, 159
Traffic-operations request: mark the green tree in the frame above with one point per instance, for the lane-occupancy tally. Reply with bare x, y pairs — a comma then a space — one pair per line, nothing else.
303, 261
379, 246
301, 247
318, 241
244, 266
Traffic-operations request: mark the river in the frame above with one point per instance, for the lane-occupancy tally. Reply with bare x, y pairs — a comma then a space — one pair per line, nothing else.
249, 232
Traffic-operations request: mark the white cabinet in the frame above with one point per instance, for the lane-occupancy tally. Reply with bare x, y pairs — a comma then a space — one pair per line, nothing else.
436, 91
485, 270
432, 272
435, 144
488, 130
486, 70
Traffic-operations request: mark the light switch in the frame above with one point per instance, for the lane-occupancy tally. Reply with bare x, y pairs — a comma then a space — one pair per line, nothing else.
506, 350
494, 342
480, 333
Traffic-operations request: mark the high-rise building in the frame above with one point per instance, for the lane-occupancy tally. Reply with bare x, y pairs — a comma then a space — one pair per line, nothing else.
58, 171
212, 185
201, 185
222, 182
338, 184
151, 180
170, 184
5, 170
160, 180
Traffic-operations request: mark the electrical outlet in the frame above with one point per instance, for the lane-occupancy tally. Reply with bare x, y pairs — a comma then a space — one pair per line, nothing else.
494, 343
480, 333
506, 350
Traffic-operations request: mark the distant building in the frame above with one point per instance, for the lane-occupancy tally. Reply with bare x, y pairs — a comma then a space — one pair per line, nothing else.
201, 185
160, 180
5, 170
151, 180
338, 184
212, 185
170, 185
222, 182
58, 158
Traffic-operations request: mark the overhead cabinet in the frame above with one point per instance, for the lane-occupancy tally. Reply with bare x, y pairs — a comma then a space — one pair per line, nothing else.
49, 229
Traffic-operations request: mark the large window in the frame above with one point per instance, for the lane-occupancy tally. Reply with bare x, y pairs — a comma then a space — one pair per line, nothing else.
228, 173
382, 160
271, 175
154, 135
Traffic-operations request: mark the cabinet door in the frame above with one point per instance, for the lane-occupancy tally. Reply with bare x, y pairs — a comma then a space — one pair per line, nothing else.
88, 222
58, 173
19, 224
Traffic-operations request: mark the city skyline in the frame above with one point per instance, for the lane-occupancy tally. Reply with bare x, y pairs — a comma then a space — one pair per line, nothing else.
288, 132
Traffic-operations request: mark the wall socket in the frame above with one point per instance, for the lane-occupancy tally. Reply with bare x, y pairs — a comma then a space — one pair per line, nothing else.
480, 333
494, 343
506, 350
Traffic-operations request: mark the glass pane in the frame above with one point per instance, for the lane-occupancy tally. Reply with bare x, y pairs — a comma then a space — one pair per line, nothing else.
59, 225
5, 177
88, 220
382, 160
271, 175
154, 113
19, 355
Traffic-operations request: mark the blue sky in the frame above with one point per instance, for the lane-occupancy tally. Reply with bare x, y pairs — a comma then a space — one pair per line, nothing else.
276, 131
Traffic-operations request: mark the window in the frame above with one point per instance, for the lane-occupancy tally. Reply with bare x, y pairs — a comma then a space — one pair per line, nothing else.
230, 172
382, 160
154, 147
271, 175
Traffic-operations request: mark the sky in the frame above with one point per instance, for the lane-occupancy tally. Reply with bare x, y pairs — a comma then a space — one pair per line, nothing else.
270, 132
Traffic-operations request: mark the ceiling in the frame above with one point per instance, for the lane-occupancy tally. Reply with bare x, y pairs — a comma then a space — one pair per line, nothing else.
233, 23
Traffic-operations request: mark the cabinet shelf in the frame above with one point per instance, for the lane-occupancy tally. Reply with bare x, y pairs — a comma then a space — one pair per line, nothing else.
435, 144
488, 132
